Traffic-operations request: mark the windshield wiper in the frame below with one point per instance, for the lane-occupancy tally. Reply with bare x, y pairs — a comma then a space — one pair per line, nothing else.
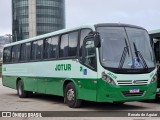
123, 57
138, 54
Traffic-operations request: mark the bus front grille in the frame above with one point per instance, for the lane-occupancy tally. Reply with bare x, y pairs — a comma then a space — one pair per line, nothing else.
128, 94
132, 82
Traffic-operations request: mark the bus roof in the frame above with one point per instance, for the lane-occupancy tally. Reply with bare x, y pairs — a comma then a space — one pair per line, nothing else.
155, 33
50, 34
72, 29
117, 25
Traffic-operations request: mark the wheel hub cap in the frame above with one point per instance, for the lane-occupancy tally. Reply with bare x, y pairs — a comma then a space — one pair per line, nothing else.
70, 95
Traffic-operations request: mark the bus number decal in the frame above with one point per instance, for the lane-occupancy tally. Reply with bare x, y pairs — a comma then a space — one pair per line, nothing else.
112, 75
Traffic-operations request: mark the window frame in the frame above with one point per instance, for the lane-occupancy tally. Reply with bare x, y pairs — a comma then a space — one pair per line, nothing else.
26, 60
58, 48
78, 41
36, 60
24, 53
8, 62
80, 60
18, 47
83, 53
57, 51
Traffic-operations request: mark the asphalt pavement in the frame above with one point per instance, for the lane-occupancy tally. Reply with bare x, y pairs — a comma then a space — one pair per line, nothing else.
9, 101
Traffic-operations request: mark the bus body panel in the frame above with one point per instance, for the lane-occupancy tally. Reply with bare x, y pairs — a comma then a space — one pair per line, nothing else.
9, 81
108, 93
50, 79
49, 76
113, 93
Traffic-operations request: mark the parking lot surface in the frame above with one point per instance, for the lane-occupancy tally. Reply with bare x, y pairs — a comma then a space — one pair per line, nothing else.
9, 101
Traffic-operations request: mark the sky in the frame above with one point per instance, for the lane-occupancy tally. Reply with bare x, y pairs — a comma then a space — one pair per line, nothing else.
144, 13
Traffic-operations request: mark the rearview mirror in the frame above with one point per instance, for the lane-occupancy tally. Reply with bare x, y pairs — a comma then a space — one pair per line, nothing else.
97, 40
155, 40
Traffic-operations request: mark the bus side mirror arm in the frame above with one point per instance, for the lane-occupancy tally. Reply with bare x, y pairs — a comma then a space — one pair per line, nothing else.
97, 40
83, 53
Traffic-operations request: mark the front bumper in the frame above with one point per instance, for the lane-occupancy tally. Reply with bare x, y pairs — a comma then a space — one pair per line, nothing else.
108, 93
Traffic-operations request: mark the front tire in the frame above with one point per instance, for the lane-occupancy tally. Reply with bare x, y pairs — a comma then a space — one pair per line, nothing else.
70, 96
20, 90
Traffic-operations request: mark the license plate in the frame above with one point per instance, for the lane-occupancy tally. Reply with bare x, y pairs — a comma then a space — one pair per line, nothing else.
135, 90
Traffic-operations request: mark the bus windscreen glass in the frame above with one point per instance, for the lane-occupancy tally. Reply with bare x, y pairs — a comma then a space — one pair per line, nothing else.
125, 48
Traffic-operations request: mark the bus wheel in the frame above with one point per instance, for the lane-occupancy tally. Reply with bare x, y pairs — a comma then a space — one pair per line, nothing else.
70, 96
20, 90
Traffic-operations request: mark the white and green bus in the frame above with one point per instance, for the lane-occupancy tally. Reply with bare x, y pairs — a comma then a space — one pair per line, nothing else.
155, 37
102, 63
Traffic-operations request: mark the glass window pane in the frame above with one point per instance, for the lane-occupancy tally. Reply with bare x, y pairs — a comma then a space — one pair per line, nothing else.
73, 41
90, 54
64, 46
46, 48
34, 46
22, 53
7, 55
28, 51
84, 33
15, 53
53, 47
39, 49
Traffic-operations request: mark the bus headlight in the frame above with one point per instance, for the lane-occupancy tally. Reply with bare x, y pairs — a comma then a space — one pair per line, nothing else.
107, 79
154, 78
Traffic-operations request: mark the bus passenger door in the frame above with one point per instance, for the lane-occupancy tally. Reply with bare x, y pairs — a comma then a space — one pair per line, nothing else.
89, 61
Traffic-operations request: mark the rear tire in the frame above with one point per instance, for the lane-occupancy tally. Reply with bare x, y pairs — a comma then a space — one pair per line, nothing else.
20, 90
70, 96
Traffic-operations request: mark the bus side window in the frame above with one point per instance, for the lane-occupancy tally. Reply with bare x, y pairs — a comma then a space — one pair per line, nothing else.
7, 55
47, 48
73, 42
39, 49
90, 54
15, 53
28, 51
33, 53
64, 46
22, 52
53, 47
84, 33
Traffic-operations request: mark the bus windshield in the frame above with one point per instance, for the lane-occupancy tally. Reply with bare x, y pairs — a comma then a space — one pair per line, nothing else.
125, 48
